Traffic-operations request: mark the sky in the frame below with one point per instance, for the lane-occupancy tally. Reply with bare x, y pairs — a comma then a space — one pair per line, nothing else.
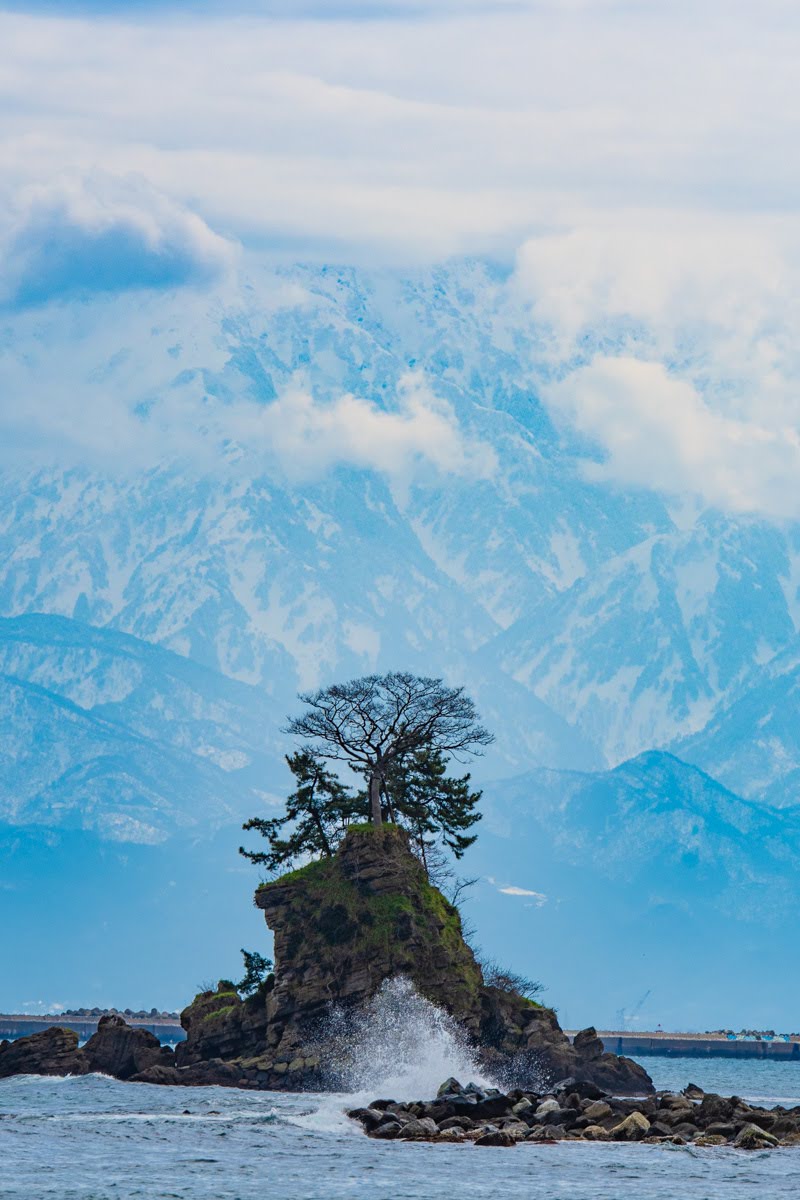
632, 163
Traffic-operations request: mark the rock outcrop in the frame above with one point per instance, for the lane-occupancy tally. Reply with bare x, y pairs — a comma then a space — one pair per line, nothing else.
54, 1051
117, 1049
123, 1051
345, 925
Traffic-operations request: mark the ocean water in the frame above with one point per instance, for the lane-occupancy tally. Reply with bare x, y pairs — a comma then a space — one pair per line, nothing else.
94, 1138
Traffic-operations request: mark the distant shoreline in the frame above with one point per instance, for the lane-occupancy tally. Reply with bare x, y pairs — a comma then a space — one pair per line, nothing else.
643, 1044
696, 1045
17, 1025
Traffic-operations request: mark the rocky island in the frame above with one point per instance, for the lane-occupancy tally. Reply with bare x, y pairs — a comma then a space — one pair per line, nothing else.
343, 925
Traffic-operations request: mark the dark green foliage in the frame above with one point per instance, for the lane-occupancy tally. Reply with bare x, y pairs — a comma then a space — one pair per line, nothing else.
419, 794
397, 731
317, 814
256, 970
335, 925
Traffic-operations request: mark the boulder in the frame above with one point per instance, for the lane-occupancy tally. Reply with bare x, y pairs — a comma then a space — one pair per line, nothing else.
455, 1123
588, 1045
752, 1137
584, 1088
498, 1137
450, 1135
169, 1076
598, 1110
547, 1106
596, 1133
419, 1129
389, 1131
632, 1129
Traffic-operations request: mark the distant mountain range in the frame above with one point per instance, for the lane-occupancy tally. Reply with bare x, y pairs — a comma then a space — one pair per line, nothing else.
650, 880
157, 620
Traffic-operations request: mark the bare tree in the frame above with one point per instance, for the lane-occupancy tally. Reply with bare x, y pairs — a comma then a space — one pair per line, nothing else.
372, 722
509, 981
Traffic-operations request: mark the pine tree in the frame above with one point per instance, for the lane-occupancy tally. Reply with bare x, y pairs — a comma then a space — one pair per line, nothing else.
373, 722
419, 794
256, 971
317, 812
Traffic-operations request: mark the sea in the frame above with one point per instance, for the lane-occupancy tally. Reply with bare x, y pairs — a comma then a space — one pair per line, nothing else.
93, 1138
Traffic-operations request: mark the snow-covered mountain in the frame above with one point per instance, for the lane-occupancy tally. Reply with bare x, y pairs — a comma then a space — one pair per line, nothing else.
589, 625
650, 645
198, 541
104, 732
753, 743
651, 877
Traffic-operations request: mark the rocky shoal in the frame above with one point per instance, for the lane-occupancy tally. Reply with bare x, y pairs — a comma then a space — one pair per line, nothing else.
576, 1110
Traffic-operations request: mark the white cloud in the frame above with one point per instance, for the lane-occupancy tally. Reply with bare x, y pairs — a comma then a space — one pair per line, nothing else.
674, 345
77, 394
643, 153
431, 130
78, 236
510, 890
308, 438
659, 432
666, 276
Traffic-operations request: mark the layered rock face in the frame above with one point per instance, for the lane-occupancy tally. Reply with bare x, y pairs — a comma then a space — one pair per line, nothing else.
342, 927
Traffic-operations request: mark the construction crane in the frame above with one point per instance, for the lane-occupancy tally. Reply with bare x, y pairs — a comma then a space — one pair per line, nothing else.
623, 1017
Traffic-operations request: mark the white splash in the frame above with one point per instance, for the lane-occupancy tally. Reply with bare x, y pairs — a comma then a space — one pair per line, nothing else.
401, 1047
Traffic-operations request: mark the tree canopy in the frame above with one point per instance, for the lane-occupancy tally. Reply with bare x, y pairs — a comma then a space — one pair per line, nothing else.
419, 793
374, 722
396, 731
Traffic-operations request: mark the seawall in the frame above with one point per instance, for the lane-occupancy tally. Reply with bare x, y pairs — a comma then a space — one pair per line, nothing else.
14, 1026
643, 1045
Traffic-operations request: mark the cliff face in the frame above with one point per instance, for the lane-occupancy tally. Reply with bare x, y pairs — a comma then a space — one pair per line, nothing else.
342, 927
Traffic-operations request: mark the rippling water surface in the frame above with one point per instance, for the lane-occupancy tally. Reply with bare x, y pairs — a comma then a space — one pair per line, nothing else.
95, 1139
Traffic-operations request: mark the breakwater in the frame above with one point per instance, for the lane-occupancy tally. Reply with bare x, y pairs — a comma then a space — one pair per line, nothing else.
642, 1045
14, 1026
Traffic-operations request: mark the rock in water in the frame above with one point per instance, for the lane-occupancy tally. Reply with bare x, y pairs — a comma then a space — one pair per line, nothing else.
752, 1137
343, 927
122, 1050
632, 1129
54, 1051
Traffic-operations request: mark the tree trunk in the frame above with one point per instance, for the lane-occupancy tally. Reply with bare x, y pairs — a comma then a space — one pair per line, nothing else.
375, 814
